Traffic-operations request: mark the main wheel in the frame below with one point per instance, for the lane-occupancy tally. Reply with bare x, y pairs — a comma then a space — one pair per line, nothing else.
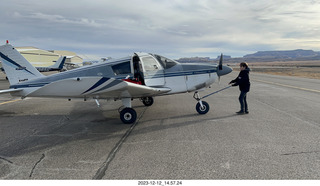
147, 101
204, 109
128, 115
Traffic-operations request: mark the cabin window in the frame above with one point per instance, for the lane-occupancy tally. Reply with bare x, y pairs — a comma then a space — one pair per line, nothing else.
122, 68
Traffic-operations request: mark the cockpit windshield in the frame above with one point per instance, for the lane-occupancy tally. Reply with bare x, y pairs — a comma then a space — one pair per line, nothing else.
165, 62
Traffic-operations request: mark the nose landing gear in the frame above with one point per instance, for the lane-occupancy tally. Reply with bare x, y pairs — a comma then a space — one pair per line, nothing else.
202, 107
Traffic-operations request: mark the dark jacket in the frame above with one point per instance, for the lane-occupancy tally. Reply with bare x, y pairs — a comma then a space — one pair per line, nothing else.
242, 80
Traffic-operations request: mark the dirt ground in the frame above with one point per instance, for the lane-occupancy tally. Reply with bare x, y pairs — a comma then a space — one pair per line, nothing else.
307, 69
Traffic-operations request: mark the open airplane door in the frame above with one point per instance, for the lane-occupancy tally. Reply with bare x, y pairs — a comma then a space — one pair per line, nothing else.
152, 70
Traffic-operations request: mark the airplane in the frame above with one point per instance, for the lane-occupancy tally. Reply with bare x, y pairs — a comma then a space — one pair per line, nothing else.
140, 76
58, 66
55, 67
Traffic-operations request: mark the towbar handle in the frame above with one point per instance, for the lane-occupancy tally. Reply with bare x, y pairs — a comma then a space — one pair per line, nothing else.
198, 98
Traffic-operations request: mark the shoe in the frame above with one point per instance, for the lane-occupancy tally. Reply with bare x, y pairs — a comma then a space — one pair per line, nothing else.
247, 112
240, 112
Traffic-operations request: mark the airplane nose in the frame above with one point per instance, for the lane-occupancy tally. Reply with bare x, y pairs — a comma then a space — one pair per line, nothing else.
225, 70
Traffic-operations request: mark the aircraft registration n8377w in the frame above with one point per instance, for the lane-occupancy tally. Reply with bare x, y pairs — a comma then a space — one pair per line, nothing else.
140, 76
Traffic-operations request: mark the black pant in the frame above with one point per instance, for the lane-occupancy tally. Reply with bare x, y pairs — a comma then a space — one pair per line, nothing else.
243, 101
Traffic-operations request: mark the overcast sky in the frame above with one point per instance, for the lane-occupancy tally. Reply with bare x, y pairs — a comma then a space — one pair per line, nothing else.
172, 28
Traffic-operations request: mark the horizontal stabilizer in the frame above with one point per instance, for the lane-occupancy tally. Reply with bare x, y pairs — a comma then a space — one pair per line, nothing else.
9, 91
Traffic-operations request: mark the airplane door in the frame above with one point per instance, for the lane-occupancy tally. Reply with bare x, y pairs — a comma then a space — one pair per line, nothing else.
152, 70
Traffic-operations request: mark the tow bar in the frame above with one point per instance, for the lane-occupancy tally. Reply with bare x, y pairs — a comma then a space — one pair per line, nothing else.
202, 107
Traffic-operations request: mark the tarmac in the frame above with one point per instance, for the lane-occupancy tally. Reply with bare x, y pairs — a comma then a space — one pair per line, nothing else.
60, 139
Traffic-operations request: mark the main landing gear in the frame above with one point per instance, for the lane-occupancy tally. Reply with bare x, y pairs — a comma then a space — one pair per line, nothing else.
202, 107
128, 115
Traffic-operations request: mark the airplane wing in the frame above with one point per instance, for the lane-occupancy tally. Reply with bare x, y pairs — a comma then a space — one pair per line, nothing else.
101, 87
136, 90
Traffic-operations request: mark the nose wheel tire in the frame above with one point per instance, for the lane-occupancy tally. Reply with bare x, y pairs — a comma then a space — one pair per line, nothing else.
128, 116
204, 109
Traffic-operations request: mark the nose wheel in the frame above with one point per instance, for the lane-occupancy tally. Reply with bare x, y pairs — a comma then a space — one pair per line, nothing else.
202, 107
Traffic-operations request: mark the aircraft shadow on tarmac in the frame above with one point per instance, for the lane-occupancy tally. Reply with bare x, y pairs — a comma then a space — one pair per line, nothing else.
44, 132
36, 132
191, 121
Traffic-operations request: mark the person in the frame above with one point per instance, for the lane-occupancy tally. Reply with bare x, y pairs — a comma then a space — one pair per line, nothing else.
243, 82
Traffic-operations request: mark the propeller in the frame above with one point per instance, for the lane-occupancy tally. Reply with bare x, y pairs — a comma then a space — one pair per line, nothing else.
220, 67
222, 70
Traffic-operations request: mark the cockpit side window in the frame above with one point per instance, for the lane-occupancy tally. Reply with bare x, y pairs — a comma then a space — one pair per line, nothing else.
121, 68
165, 62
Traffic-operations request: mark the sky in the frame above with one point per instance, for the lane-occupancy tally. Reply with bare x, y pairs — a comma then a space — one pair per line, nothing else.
172, 28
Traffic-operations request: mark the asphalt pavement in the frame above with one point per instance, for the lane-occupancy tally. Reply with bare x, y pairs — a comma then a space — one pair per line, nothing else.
60, 139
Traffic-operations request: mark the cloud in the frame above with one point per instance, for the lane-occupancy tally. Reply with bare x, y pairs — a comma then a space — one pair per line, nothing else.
176, 28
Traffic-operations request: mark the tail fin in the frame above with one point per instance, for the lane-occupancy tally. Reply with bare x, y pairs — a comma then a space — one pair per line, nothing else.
59, 63
17, 68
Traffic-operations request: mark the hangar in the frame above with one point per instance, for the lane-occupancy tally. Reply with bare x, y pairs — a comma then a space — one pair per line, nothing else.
42, 58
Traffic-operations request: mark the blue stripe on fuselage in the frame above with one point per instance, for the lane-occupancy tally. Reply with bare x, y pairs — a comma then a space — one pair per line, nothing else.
100, 82
29, 85
182, 73
108, 86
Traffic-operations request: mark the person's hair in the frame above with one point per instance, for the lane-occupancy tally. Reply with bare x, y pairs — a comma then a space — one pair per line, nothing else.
244, 64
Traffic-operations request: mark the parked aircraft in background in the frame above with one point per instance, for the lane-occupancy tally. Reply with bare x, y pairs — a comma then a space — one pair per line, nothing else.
140, 76
58, 66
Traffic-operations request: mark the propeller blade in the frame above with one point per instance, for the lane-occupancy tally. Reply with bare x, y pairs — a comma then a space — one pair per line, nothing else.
222, 70
220, 62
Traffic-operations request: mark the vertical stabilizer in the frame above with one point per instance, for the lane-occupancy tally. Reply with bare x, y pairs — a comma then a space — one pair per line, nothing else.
17, 68
59, 63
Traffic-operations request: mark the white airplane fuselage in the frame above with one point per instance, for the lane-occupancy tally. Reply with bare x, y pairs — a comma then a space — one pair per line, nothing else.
142, 75
177, 77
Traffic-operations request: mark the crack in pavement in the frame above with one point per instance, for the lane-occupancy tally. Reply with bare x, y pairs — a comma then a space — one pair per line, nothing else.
5, 159
2, 158
35, 165
294, 153
102, 170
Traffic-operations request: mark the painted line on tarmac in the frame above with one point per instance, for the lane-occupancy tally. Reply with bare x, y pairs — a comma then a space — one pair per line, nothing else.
289, 86
12, 101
